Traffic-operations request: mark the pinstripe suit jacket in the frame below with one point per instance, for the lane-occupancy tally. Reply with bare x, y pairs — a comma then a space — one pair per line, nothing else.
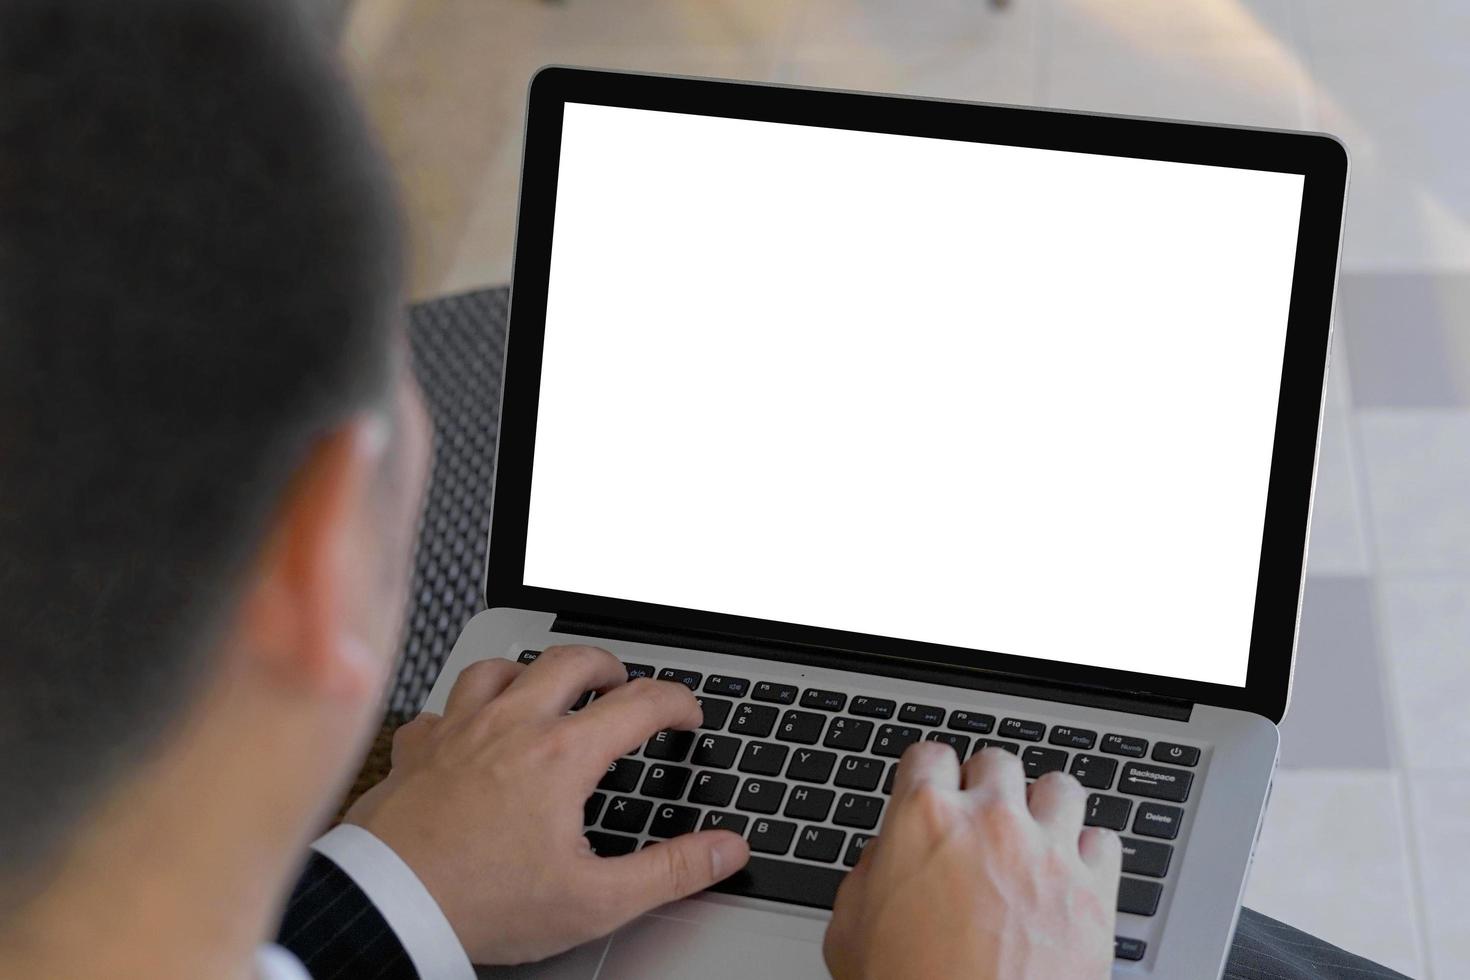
332, 927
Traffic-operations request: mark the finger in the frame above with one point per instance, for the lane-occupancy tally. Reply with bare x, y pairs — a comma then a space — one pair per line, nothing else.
995, 774
926, 764
1101, 850
628, 715
668, 871
478, 684
557, 678
1058, 802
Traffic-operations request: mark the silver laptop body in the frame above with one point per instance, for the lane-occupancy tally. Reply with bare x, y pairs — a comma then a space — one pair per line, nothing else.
718, 464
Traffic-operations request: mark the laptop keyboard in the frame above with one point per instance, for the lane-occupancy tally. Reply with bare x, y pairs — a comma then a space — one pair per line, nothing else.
804, 775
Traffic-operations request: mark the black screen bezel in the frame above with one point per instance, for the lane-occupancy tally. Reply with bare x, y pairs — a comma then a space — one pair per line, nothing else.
1319, 158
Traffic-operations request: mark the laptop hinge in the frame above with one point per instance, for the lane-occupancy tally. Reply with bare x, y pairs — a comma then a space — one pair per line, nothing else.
834, 658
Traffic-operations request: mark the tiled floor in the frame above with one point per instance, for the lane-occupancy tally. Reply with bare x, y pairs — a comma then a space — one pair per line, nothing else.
1368, 836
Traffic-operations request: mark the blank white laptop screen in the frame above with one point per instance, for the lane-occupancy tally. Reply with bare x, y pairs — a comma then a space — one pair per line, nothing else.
1001, 398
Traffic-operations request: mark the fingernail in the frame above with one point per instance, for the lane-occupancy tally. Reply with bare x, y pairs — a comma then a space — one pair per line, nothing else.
728, 856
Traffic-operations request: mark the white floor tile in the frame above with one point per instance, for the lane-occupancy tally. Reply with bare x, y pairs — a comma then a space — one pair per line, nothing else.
1160, 24
1426, 635
1418, 472
1333, 861
949, 71
1246, 85
1441, 813
885, 27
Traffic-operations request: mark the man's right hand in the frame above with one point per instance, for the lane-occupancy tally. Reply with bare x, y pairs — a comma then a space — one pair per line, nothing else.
972, 879
485, 805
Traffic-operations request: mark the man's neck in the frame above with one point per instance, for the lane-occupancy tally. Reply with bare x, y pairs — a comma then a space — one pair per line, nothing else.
182, 873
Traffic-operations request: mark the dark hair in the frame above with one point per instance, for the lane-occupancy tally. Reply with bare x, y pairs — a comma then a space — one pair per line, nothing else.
199, 275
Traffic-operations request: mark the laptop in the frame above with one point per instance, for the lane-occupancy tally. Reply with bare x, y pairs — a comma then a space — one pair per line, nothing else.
877, 419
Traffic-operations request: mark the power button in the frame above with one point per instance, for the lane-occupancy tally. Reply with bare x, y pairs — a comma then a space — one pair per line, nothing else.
1180, 755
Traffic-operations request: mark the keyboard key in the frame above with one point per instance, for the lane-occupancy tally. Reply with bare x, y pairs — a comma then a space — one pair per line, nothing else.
823, 700
1158, 820
819, 844
855, 849
627, 814
592, 808
858, 772
666, 782
1146, 857
763, 758
636, 671
849, 734
715, 820
784, 881
858, 811
715, 751
960, 743
730, 687
1107, 811
621, 776
1181, 755
801, 726
669, 746
528, 656
1138, 896
1093, 771
1073, 738
920, 714
1026, 731
995, 743
1129, 949
713, 788
872, 707
610, 845
1038, 761
756, 720
771, 836
811, 766
972, 722
716, 710
888, 782
1125, 745
689, 678
761, 796
1155, 782
671, 821
777, 693
809, 803
893, 739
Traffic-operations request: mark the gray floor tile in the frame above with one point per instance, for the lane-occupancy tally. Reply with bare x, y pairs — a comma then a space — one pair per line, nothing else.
1408, 339
1426, 637
1337, 545
1336, 718
1418, 473
1333, 860
1441, 831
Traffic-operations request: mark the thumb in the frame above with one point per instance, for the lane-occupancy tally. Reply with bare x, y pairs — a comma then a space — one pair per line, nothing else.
672, 869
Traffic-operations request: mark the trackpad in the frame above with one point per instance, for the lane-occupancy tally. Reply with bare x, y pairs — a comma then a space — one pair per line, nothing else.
658, 948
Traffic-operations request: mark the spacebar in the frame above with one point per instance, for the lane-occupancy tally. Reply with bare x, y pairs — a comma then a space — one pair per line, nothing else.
784, 881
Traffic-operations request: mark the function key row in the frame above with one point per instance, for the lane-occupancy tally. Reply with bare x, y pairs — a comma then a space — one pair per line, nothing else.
911, 713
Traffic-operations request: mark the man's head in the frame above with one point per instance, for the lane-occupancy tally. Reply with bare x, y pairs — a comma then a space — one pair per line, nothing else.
210, 460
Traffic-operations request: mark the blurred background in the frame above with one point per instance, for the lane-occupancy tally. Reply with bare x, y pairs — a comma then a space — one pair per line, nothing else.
1367, 840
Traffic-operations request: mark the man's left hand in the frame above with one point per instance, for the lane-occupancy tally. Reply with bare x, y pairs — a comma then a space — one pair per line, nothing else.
485, 805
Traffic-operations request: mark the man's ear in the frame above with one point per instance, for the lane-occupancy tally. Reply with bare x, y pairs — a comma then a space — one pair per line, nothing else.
297, 618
